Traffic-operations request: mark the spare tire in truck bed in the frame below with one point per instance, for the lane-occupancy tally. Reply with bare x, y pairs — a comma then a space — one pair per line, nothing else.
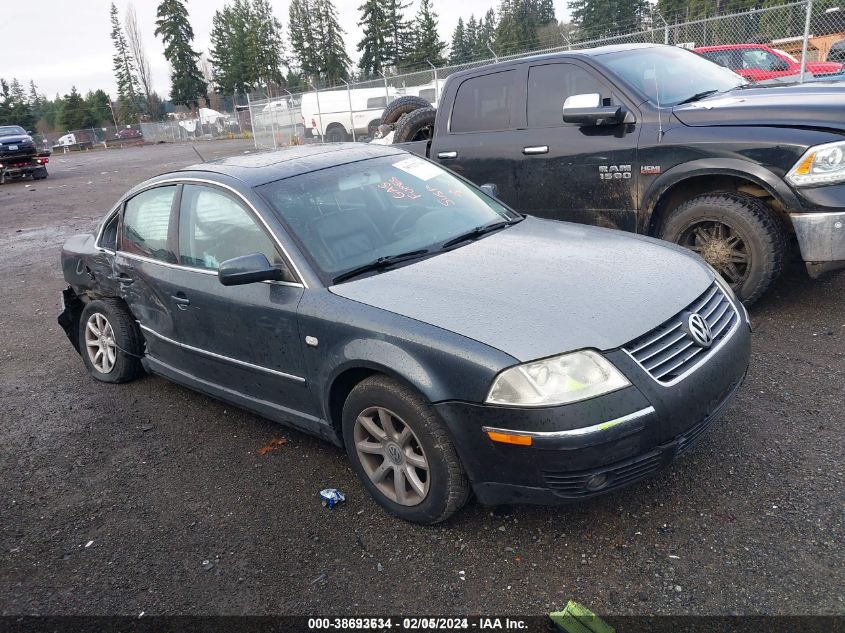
415, 126
403, 105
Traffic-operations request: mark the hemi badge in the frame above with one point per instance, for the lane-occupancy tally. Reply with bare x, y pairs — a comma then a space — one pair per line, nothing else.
650, 169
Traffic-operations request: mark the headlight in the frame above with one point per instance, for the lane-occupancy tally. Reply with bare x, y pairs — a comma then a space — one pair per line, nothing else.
820, 165
556, 380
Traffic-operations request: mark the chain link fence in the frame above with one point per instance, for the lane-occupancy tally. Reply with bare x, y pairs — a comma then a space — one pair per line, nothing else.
803, 35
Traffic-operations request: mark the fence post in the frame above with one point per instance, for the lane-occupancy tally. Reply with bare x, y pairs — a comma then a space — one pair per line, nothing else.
490, 48
351, 114
319, 111
386, 91
252, 121
806, 40
436, 86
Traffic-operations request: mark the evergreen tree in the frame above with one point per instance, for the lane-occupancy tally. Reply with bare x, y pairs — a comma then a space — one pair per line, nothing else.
334, 61
372, 46
187, 84
458, 51
486, 32
73, 112
471, 34
603, 18
546, 12
399, 33
428, 47
303, 37
268, 45
128, 93
14, 108
98, 112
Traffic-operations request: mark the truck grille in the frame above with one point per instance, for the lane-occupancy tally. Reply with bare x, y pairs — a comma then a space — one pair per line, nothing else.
667, 352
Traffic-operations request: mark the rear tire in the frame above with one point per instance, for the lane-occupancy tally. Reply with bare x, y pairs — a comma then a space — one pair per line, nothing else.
402, 452
110, 341
403, 105
735, 233
336, 134
415, 126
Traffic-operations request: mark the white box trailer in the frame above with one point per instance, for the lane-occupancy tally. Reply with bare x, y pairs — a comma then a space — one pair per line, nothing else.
326, 113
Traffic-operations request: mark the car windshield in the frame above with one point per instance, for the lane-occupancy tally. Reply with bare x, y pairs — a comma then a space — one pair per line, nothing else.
352, 215
669, 75
11, 130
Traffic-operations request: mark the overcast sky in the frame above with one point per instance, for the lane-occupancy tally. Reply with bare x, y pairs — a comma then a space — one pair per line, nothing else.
60, 43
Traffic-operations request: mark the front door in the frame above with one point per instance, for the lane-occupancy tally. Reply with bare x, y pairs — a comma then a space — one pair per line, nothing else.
243, 338
585, 174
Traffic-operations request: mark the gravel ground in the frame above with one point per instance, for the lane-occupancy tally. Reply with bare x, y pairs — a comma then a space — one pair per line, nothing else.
149, 497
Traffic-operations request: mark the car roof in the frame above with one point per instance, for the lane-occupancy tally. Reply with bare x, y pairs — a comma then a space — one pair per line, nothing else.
261, 167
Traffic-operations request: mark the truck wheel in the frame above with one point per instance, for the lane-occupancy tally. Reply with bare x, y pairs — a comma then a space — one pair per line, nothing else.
735, 233
415, 126
336, 134
402, 453
111, 341
400, 106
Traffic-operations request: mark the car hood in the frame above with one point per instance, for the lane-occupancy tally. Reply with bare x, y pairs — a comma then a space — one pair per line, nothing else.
542, 287
820, 105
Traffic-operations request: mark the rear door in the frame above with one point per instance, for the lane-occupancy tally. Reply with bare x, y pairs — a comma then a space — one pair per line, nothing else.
145, 267
585, 174
482, 140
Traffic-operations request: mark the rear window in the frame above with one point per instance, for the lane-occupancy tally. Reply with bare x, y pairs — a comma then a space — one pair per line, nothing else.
484, 104
146, 223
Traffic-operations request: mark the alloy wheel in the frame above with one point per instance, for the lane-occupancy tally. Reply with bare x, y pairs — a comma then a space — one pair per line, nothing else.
392, 456
721, 246
100, 343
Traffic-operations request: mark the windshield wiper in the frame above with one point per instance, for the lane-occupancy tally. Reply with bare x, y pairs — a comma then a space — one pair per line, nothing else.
478, 231
697, 96
382, 262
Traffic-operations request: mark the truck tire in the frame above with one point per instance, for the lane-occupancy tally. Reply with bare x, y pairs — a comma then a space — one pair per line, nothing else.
336, 134
402, 105
415, 126
735, 233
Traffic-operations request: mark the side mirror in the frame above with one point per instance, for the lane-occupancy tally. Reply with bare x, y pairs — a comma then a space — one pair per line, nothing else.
490, 189
248, 269
586, 109
29, 132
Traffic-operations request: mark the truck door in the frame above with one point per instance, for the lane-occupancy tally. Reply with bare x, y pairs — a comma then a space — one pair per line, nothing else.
481, 140
585, 174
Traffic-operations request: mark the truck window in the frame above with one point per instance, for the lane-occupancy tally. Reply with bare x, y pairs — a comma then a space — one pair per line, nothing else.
376, 102
550, 85
484, 103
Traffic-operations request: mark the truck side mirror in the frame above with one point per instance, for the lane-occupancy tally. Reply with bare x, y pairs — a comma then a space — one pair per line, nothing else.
586, 109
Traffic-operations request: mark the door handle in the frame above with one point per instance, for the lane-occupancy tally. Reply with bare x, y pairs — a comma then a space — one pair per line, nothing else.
123, 279
447, 154
181, 301
536, 149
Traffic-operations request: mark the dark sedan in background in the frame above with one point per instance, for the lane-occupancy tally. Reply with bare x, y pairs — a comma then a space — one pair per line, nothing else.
375, 299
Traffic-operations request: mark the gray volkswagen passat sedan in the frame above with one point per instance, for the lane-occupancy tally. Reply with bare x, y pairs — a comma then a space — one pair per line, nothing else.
375, 299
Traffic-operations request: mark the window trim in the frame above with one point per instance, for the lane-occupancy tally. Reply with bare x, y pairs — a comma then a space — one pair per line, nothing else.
301, 283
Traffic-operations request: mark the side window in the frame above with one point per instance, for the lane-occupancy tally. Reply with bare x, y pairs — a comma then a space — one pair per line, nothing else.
484, 103
548, 88
758, 58
376, 102
214, 227
146, 221
108, 239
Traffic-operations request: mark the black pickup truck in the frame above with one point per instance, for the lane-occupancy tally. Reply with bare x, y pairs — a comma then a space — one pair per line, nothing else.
656, 140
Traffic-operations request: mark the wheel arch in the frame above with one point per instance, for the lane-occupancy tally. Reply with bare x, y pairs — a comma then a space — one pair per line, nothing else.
689, 180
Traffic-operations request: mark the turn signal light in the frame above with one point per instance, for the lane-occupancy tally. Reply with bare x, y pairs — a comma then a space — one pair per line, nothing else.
806, 165
507, 438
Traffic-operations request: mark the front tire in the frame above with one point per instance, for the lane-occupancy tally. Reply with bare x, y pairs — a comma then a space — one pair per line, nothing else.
402, 452
735, 233
110, 341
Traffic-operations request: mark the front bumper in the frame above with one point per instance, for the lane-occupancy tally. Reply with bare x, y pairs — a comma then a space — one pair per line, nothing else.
651, 425
821, 238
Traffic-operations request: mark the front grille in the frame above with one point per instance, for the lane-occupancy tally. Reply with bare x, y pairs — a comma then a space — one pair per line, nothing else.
667, 352
573, 485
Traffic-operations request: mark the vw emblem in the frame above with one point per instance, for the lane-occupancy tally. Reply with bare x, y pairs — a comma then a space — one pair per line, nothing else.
699, 331
395, 453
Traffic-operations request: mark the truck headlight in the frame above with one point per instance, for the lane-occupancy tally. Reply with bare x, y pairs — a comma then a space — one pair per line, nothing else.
820, 165
556, 380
